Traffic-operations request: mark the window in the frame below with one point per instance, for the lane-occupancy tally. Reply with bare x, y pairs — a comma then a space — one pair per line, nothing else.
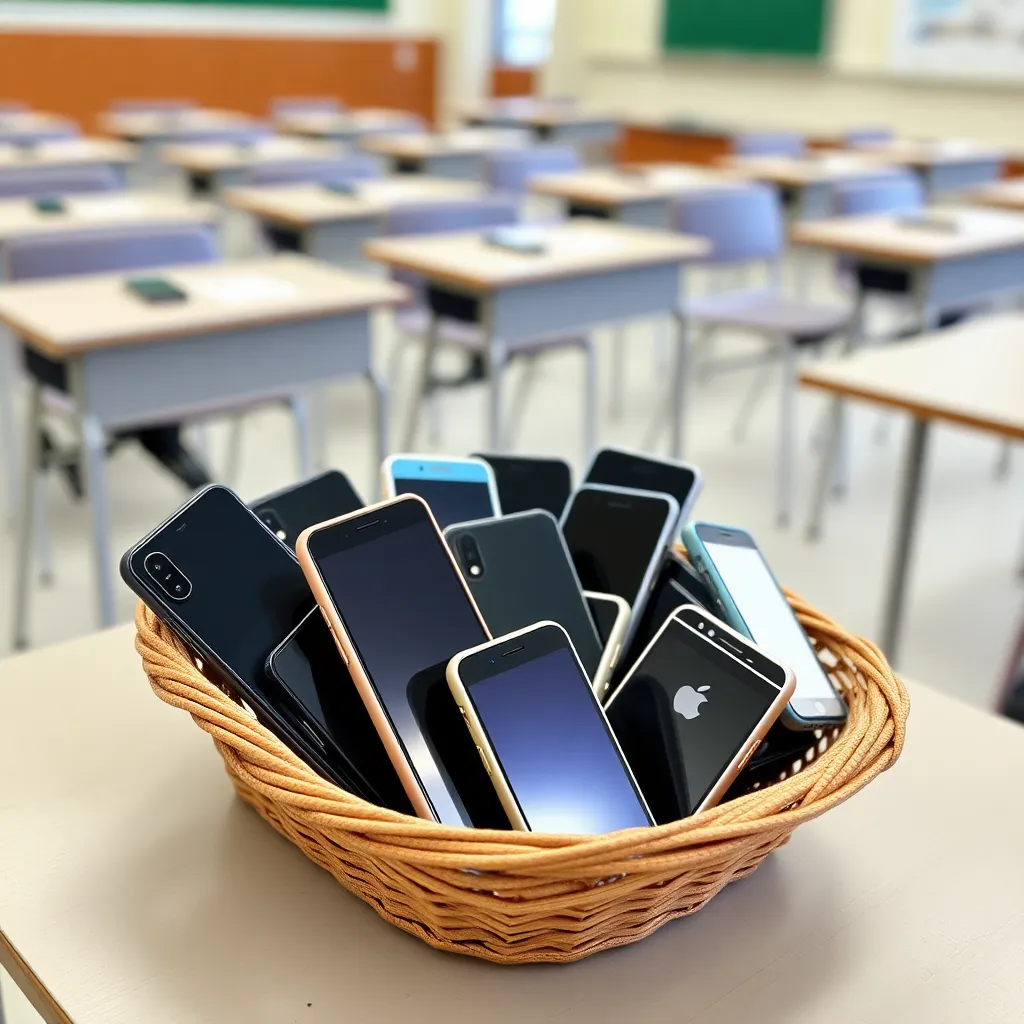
524, 28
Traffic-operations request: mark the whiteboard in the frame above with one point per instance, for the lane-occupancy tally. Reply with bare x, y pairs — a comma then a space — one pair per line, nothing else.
979, 39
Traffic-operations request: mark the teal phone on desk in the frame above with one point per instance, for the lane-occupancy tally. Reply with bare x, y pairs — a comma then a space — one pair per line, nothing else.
522, 239
155, 290
341, 188
49, 204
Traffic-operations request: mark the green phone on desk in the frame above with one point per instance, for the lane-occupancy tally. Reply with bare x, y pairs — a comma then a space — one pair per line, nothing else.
49, 204
155, 290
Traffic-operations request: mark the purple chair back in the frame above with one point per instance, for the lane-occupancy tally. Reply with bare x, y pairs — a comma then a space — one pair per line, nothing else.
769, 144
742, 224
58, 181
162, 106
891, 192
511, 170
105, 250
246, 134
348, 167
33, 136
305, 104
866, 136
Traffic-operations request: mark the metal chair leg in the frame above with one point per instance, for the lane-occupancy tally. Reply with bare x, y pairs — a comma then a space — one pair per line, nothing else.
233, 460
25, 521
44, 529
680, 386
1005, 461
517, 407
618, 386
830, 450
787, 434
497, 364
422, 386
95, 459
300, 417
379, 400
590, 399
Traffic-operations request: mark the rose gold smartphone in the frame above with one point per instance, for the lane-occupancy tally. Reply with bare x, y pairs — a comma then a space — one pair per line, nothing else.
399, 610
691, 712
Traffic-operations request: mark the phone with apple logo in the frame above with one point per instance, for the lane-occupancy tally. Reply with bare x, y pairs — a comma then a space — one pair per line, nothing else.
693, 710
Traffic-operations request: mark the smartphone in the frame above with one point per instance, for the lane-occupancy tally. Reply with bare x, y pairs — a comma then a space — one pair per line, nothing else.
551, 756
624, 468
286, 513
49, 204
342, 187
527, 482
155, 290
307, 664
399, 611
522, 239
751, 601
611, 617
693, 711
232, 591
616, 537
457, 490
519, 572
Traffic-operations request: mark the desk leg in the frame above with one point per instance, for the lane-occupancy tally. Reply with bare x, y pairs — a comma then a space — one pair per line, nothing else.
422, 385
590, 399
94, 450
300, 418
26, 518
832, 441
910, 498
839, 467
379, 398
617, 398
497, 360
10, 440
787, 432
680, 384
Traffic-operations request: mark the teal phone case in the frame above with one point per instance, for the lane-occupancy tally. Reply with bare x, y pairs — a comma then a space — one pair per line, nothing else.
703, 564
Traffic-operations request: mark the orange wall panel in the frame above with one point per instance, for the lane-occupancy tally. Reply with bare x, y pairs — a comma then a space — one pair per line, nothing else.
512, 81
80, 74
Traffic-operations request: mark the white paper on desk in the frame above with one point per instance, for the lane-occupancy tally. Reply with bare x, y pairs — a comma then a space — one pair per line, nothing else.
239, 289
583, 241
104, 209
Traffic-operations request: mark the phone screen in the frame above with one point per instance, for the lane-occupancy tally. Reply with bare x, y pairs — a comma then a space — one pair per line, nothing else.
407, 614
554, 746
525, 484
768, 617
627, 469
614, 537
685, 711
457, 492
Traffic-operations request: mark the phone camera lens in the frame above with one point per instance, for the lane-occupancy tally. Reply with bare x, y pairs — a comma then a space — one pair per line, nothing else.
168, 576
711, 632
471, 556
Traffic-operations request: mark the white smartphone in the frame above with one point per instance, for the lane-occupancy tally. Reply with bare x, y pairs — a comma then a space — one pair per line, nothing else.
457, 490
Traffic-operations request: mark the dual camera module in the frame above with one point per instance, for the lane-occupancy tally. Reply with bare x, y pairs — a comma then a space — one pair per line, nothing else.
171, 579
472, 562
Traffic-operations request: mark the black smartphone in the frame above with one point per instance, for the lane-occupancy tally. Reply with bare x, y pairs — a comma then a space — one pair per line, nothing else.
155, 290
624, 468
693, 711
549, 751
307, 664
528, 482
49, 204
399, 610
232, 591
519, 572
286, 513
616, 537
522, 239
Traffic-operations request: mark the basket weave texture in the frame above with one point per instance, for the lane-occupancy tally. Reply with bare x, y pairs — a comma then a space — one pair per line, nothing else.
520, 897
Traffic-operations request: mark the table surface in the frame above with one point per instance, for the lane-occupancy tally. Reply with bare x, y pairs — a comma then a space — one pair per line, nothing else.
113, 209
887, 237
538, 112
304, 204
148, 123
322, 122
135, 887
640, 182
931, 152
68, 152
418, 145
576, 247
72, 315
32, 120
817, 166
972, 374
221, 156
1007, 194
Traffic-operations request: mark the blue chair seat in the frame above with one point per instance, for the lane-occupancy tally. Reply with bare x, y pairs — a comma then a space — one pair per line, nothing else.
767, 311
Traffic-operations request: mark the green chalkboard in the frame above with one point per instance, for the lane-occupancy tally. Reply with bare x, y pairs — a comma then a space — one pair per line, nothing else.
784, 28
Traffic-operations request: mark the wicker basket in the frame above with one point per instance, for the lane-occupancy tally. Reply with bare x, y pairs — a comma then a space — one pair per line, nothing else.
520, 897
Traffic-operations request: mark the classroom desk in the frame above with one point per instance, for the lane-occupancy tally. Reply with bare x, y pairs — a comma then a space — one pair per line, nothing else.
971, 375
32, 127
548, 120
640, 195
250, 331
134, 887
346, 126
592, 273
151, 127
944, 165
212, 167
63, 153
332, 226
1007, 194
457, 154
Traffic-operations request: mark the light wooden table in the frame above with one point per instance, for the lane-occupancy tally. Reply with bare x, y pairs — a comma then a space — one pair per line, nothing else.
549, 120
159, 127
63, 153
348, 125
455, 154
1007, 194
32, 127
215, 166
972, 375
249, 331
944, 165
592, 273
333, 226
134, 887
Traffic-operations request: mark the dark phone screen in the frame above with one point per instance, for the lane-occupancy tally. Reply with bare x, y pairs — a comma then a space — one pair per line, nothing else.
605, 614
560, 761
682, 716
625, 469
407, 614
612, 539
287, 513
451, 501
525, 484
309, 666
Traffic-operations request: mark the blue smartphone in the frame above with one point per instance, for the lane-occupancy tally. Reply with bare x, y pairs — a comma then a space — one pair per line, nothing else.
751, 601
457, 490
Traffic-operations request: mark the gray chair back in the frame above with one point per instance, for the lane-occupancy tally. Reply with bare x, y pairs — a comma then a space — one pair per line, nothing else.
26, 136
866, 135
769, 144
743, 224
58, 181
511, 170
895, 191
347, 167
282, 105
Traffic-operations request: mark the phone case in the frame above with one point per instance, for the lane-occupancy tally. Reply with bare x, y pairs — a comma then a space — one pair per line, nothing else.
387, 479
527, 576
286, 513
612, 646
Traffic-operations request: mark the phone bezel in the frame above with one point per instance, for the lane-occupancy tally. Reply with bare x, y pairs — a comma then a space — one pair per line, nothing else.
388, 478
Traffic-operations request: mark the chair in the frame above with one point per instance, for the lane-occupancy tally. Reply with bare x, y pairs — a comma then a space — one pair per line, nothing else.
315, 170
769, 144
511, 170
58, 181
96, 251
745, 225
441, 320
282, 106
247, 133
29, 136
866, 135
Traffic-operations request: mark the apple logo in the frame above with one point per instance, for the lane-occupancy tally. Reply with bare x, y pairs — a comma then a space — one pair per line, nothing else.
688, 700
